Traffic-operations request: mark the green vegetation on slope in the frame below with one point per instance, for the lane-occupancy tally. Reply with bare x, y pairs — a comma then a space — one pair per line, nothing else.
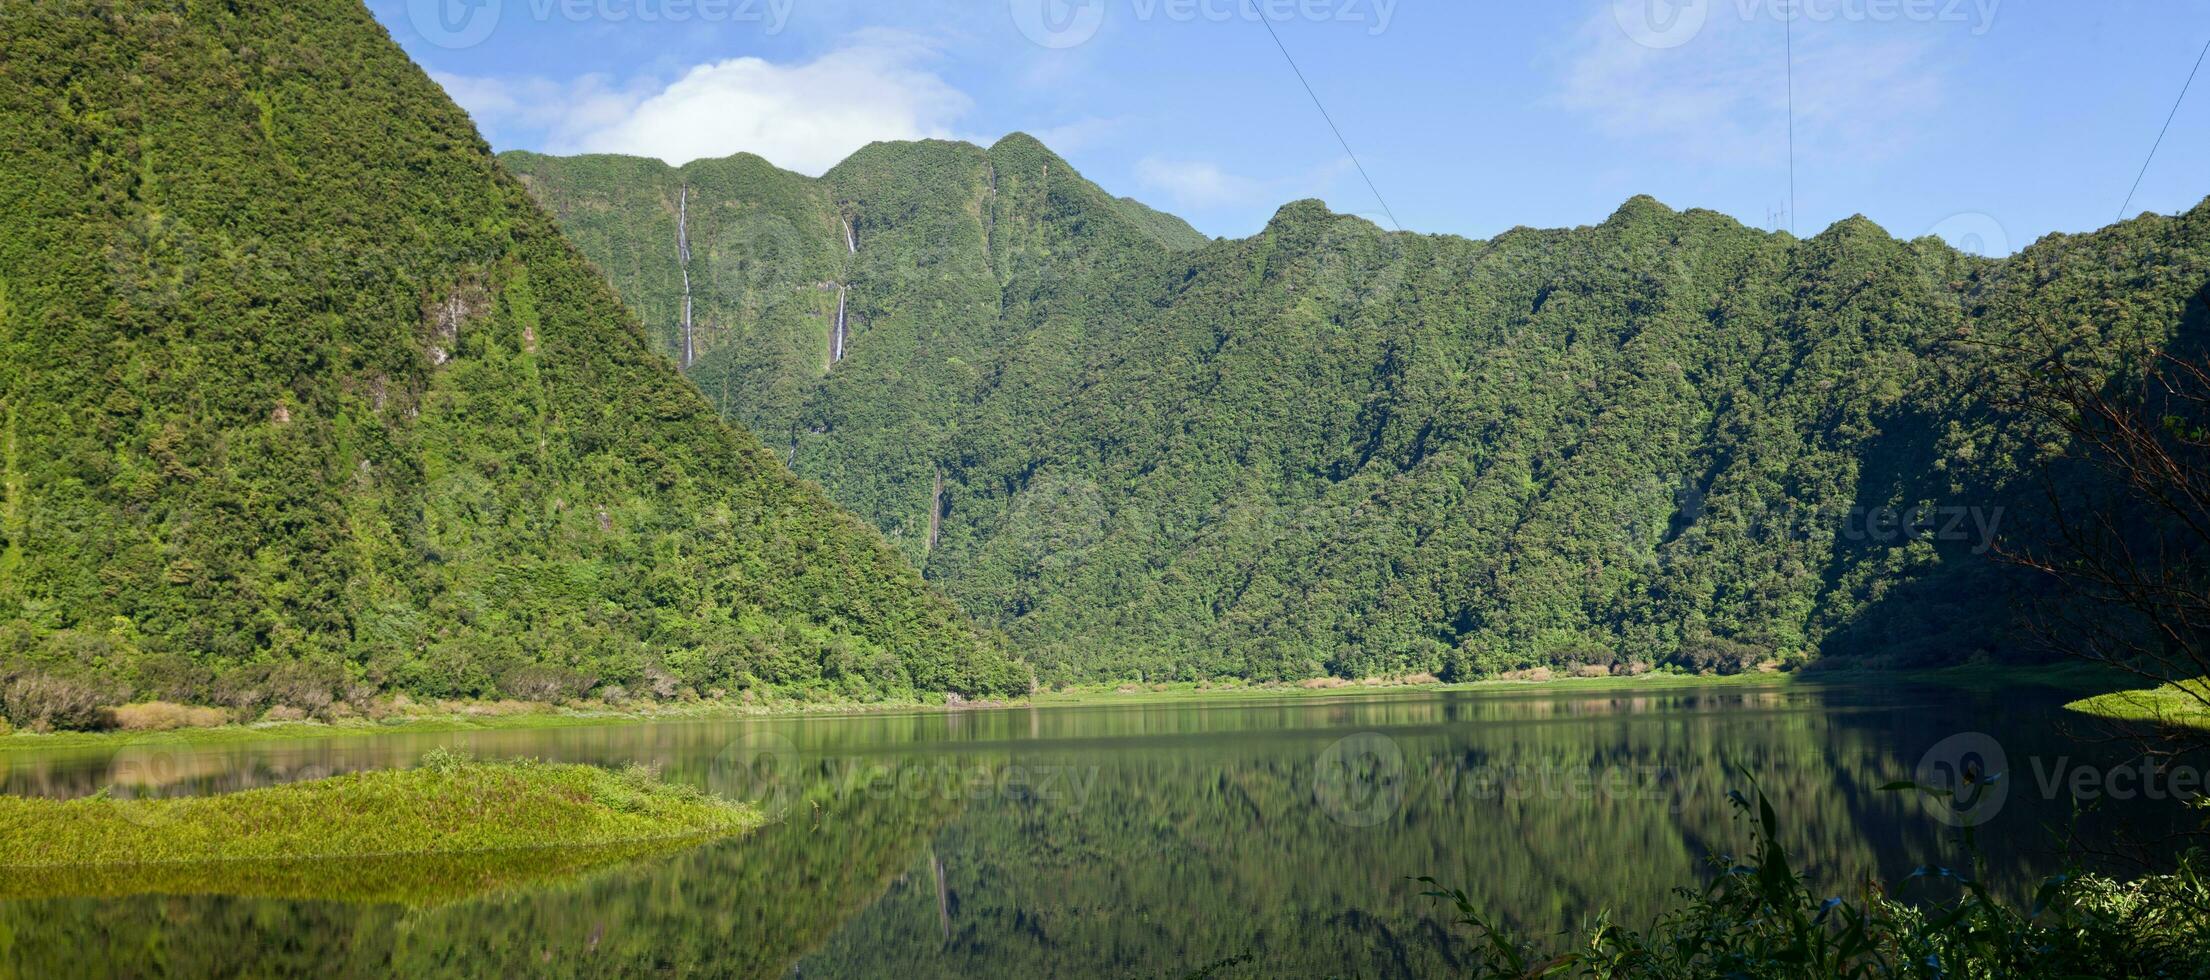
921, 255
446, 829
2180, 705
1332, 450
304, 400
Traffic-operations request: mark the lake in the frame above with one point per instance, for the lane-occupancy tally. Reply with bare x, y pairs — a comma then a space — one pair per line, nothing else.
1136, 839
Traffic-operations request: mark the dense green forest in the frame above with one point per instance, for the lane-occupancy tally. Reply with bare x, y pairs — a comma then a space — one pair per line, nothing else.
303, 400
1330, 449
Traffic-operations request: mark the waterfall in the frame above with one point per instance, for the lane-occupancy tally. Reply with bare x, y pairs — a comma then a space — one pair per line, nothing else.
840, 334
837, 337
683, 258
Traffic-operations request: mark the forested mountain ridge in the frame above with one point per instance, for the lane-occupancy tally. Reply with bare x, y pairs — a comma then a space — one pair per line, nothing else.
873, 302
305, 399
1329, 449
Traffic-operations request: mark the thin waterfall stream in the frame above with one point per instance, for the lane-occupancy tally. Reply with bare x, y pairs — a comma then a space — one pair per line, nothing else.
683, 259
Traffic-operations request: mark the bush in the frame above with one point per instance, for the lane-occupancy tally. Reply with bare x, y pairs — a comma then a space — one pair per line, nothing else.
550, 685
162, 716
174, 677
1585, 653
45, 703
308, 686
659, 683
444, 761
1719, 655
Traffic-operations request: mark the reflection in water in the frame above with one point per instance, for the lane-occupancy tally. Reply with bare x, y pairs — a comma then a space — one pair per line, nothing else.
420, 881
1107, 840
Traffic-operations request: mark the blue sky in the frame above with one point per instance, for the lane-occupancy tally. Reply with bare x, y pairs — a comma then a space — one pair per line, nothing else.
2002, 120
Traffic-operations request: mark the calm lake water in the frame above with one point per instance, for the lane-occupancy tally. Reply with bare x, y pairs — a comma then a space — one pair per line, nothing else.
1140, 840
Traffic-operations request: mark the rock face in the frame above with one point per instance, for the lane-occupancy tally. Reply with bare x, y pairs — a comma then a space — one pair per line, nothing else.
1332, 449
477, 472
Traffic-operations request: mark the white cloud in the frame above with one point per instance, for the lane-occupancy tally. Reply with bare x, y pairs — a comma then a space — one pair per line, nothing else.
806, 117
1202, 185
562, 110
1196, 183
1722, 97
1081, 134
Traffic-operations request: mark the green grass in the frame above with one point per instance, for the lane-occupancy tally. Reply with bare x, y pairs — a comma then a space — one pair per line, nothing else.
445, 830
2172, 705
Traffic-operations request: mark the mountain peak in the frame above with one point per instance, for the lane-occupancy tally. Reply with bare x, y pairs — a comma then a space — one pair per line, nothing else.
467, 372
1019, 141
1301, 212
1641, 207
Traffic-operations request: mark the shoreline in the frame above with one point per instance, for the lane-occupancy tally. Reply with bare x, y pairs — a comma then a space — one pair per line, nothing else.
2089, 681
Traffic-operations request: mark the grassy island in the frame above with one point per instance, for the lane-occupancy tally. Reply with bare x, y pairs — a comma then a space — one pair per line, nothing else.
2173, 705
448, 829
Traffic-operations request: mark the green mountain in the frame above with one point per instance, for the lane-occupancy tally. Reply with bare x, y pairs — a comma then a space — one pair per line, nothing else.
848, 320
1328, 449
303, 398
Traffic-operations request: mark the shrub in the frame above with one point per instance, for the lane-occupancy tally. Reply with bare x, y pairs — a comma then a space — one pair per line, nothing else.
174, 677
659, 683
306, 685
244, 689
284, 712
1585, 653
162, 716
45, 703
550, 685
1720, 655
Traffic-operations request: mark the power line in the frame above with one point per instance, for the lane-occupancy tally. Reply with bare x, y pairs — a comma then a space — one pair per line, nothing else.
2161, 133
1338, 130
1788, 22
